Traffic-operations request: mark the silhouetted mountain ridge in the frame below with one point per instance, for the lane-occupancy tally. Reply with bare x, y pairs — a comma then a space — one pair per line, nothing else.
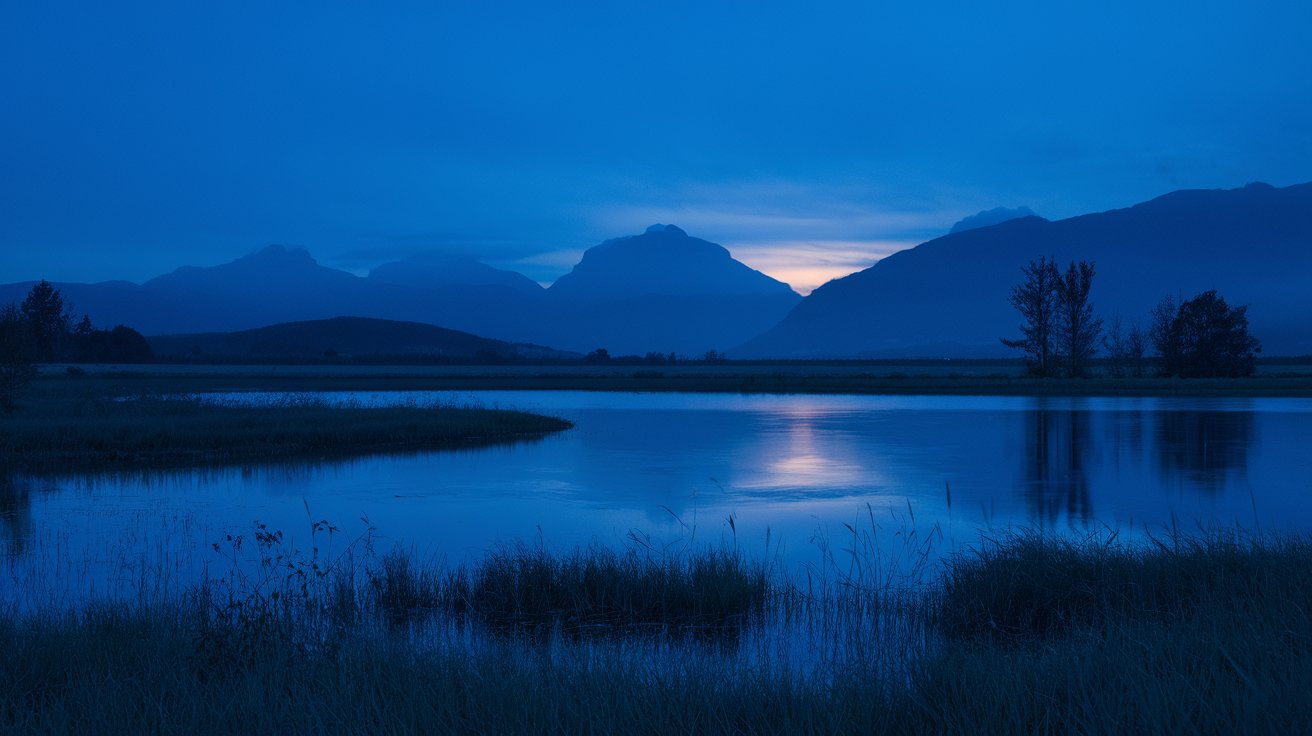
662, 291
342, 337
663, 260
446, 272
659, 291
948, 297
995, 216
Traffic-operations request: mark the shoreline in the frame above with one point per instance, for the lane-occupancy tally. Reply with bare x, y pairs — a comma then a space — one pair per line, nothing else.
57, 432
948, 378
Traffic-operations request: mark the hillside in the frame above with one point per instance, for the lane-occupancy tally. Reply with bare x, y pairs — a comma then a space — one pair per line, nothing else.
341, 337
948, 297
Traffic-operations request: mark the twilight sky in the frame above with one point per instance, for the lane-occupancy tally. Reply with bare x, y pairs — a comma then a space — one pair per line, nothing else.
138, 137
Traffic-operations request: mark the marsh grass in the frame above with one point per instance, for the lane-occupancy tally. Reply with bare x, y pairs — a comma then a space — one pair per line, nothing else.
599, 590
1033, 587
62, 433
1200, 633
1028, 633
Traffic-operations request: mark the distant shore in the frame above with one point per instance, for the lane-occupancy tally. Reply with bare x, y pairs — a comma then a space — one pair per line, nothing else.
945, 377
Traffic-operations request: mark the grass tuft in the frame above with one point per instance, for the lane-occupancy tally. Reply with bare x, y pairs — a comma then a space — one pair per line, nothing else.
523, 588
1033, 586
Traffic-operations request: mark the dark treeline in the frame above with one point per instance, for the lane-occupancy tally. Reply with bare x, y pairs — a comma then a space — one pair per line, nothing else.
1202, 337
41, 330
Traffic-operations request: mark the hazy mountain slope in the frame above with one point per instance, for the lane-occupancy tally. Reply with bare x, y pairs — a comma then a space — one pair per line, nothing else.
663, 260
340, 336
111, 303
995, 216
948, 297
278, 284
448, 272
661, 291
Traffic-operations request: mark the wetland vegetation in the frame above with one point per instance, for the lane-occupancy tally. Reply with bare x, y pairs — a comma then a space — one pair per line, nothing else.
1027, 632
69, 425
1187, 634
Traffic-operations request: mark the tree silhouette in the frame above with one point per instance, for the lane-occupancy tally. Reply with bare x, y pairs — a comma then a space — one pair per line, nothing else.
1159, 332
15, 355
84, 327
1036, 300
1077, 328
1125, 348
1209, 338
47, 319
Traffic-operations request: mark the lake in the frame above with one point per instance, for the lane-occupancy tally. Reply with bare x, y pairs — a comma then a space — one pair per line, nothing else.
789, 471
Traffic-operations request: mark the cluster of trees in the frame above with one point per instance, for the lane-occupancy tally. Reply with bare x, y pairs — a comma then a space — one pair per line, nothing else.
1194, 338
602, 355
1203, 337
41, 330
1060, 333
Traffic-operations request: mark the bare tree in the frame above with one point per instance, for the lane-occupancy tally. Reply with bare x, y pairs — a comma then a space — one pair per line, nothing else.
1160, 332
1136, 344
1077, 328
1036, 300
1116, 343
1125, 348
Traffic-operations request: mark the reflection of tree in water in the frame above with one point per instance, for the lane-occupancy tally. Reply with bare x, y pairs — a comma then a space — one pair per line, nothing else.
1056, 479
1204, 447
15, 512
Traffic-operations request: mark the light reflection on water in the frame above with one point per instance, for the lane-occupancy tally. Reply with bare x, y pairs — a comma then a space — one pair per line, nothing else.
676, 466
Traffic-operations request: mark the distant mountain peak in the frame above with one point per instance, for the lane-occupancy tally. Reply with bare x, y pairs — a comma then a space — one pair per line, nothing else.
278, 249
278, 253
995, 216
663, 260
948, 297
670, 229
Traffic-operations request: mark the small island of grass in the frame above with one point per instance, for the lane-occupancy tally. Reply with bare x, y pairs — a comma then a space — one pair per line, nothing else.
55, 433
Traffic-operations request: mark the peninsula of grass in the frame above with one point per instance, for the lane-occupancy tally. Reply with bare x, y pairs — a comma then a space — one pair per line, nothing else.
1030, 634
59, 433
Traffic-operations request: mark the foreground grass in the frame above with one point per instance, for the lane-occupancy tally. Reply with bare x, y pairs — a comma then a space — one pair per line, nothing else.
62, 432
1031, 634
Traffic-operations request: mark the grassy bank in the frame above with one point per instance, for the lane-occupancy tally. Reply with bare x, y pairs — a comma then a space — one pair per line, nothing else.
85, 428
883, 377
1031, 634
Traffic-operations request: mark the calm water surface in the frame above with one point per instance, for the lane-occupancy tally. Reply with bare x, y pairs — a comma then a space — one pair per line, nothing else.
676, 467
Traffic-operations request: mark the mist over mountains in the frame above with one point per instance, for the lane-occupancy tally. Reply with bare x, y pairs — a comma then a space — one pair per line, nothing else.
665, 291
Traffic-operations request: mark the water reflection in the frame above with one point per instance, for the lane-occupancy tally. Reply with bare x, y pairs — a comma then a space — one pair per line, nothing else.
15, 512
807, 452
1055, 481
1208, 449
672, 465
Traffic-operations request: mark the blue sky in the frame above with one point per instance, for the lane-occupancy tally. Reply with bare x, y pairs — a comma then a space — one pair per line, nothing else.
809, 141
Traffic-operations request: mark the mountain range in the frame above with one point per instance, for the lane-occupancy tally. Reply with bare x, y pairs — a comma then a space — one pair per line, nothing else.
661, 291
948, 297
665, 291
342, 337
